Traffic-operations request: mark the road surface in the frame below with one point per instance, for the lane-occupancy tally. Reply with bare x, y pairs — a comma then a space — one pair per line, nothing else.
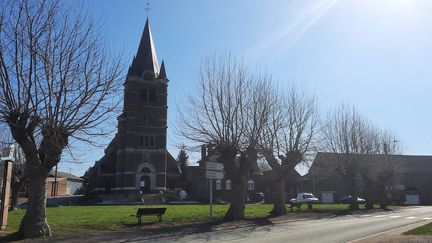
335, 229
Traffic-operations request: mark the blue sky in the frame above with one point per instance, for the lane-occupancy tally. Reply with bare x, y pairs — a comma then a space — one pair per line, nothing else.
374, 54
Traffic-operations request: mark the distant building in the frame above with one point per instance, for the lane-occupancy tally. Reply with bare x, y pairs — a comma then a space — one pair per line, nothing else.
413, 186
257, 182
67, 184
137, 161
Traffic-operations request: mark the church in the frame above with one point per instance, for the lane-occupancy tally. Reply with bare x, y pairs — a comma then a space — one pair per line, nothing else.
136, 161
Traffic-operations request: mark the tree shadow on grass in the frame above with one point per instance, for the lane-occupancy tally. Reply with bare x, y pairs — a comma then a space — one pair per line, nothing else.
173, 231
200, 229
10, 237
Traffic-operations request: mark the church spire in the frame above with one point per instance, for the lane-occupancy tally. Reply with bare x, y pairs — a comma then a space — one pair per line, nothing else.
162, 72
145, 61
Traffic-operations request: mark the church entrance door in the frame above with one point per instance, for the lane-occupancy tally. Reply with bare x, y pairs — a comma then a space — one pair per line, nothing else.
145, 184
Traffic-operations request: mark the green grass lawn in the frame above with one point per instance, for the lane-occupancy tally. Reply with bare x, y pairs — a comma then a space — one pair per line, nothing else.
422, 230
72, 218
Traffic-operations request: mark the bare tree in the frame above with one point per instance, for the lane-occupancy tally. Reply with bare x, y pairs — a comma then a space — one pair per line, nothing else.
288, 136
57, 83
228, 111
349, 135
381, 171
346, 133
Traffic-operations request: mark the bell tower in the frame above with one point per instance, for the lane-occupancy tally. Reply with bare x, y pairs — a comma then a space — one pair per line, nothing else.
136, 160
142, 127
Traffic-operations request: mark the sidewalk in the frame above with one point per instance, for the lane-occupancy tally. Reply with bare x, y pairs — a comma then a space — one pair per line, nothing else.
396, 236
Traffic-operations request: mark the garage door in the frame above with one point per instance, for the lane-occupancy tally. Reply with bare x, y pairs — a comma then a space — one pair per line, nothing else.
412, 199
327, 197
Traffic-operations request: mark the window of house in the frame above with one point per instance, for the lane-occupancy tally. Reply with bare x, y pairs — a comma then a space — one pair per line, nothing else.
228, 185
251, 185
143, 95
152, 95
218, 185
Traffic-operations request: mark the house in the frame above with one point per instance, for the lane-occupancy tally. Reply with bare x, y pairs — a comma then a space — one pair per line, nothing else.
265, 184
257, 181
412, 183
65, 184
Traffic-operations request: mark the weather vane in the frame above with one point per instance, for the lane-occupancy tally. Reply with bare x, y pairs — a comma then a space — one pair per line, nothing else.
148, 8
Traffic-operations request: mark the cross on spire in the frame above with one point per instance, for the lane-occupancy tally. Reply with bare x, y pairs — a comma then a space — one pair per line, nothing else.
148, 8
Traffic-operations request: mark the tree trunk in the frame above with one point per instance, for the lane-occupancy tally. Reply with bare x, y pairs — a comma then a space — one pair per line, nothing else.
14, 194
369, 204
369, 196
384, 202
237, 204
279, 203
354, 202
34, 223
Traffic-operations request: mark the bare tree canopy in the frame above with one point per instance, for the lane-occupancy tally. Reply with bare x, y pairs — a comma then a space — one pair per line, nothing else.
288, 136
347, 133
228, 111
57, 82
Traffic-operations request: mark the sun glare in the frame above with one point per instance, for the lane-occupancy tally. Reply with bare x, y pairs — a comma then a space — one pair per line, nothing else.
397, 7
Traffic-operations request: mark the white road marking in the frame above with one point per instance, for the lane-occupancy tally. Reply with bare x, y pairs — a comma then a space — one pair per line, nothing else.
411, 217
379, 216
395, 217
426, 218
366, 215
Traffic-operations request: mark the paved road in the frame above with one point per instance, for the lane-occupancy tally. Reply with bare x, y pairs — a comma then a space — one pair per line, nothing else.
336, 229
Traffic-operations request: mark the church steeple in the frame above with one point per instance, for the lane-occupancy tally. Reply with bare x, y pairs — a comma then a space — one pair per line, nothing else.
162, 72
145, 61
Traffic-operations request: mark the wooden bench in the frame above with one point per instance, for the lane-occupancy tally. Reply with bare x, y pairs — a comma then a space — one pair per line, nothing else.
149, 211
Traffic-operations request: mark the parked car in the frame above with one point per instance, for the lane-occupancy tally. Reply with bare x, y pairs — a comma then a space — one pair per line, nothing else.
303, 197
347, 200
256, 197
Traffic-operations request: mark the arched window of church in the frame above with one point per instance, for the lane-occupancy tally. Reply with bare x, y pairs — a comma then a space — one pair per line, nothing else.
152, 96
251, 185
146, 141
218, 185
228, 185
151, 141
145, 170
143, 95
141, 141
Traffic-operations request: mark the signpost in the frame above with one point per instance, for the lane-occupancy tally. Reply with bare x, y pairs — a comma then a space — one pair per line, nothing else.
213, 171
6, 164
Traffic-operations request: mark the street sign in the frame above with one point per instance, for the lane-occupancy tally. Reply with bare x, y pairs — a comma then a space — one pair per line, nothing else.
400, 187
214, 166
214, 174
213, 171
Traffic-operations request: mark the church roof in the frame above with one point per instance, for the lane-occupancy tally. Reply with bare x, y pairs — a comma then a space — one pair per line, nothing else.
145, 59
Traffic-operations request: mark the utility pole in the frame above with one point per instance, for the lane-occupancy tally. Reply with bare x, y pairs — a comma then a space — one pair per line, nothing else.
54, 187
